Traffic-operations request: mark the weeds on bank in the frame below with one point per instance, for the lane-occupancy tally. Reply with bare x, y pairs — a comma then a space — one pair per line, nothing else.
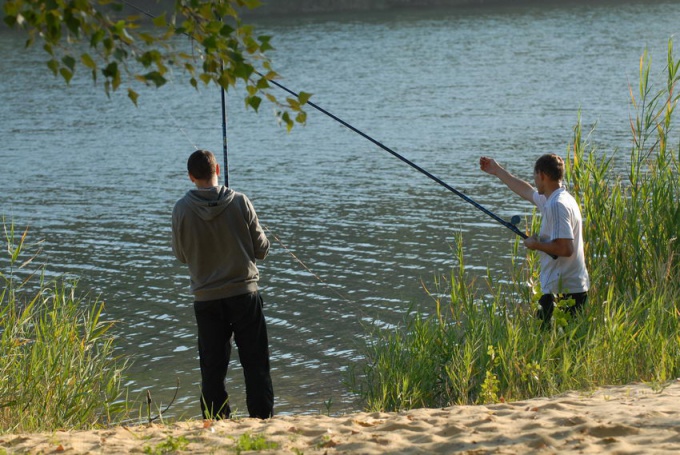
170, 445
57, 367
482, 344
248, 442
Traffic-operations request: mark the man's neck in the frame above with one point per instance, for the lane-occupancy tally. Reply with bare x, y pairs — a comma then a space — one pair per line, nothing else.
205, 184
550, 189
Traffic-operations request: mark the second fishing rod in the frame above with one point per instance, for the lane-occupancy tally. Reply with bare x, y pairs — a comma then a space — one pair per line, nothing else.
512, 224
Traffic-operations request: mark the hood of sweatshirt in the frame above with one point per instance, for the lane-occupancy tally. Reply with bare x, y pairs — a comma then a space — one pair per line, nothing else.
208, 203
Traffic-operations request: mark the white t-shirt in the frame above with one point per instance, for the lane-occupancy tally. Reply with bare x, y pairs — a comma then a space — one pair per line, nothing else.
561, 219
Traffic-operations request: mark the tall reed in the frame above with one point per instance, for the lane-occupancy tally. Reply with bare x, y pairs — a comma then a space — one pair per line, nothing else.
57, 366
482, 343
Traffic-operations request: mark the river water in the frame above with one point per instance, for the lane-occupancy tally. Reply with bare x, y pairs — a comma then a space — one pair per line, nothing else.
96, 178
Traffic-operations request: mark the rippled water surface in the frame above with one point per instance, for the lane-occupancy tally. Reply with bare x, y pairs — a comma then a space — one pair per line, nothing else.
97, 178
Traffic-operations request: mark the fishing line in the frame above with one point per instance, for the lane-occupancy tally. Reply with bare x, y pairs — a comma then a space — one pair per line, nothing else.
175, 121
299, 261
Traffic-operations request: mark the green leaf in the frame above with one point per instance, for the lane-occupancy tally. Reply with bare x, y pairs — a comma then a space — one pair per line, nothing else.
147, 38
264, 43
226, 30
252, 3
160, 21
209, 43
54, 66
66, 74
108, 44
293, 103
88, 62
287, 120
97, 37
226, 80
243, 70
111, 69
155, 77
262, 83
304, 97
11, 20
120, 54
69, 62
112, 74
254, 102
133, 96
73, 25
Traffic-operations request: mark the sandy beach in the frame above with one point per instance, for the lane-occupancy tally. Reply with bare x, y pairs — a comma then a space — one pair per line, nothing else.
629, 419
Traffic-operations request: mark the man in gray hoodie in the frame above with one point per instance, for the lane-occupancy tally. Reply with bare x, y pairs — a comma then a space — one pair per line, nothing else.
216, 232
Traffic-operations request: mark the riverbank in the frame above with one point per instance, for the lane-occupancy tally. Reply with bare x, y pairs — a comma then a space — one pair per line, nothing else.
273, 8
624, 419
302, 7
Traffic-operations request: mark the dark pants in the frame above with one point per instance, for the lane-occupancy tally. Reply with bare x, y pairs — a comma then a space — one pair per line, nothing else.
548, 302
217, 320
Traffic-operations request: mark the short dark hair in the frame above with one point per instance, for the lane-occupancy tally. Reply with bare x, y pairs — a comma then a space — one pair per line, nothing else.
551, 165
202, 164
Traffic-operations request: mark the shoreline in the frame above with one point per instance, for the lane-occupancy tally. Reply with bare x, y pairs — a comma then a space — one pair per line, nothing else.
634, 418
291, 8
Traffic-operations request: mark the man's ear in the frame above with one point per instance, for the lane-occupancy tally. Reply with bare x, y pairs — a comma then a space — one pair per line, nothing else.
217, 169
191, 177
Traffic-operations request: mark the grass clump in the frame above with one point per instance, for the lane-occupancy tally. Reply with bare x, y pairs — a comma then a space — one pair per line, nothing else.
170, 445
57, 367
482, 344
247, 442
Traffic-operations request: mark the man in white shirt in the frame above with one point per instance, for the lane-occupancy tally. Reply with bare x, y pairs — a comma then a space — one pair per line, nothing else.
564, 277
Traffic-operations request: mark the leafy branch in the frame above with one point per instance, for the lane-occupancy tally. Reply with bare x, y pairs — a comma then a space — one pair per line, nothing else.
123, 49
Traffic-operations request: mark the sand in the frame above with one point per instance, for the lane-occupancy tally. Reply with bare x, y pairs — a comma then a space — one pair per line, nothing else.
631, 419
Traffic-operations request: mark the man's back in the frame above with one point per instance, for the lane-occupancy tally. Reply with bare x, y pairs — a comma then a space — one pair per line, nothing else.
561, 218
217, 234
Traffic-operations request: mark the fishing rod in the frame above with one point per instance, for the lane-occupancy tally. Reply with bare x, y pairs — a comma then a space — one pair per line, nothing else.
512, 224
224, 135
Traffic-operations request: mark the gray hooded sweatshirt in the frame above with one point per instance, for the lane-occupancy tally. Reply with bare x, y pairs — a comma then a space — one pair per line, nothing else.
215, 231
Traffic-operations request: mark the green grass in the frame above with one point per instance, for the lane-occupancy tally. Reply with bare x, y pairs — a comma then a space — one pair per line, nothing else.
57, 367
247, 442
170, 445
482, 344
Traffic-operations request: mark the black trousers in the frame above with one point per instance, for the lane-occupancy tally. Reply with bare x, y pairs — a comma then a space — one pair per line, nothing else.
217, 320
548, 302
